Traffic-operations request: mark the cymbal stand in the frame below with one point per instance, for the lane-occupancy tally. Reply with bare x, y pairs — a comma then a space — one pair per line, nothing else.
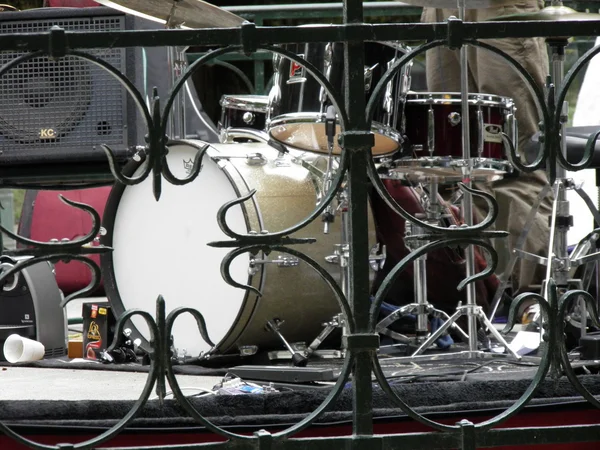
559, 262
177, 62
421, 307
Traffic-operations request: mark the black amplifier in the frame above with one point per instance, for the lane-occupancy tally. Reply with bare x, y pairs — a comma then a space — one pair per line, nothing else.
30, 307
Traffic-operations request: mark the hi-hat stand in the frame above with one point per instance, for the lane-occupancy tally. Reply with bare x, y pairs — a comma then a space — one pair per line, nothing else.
421, 308
471, 310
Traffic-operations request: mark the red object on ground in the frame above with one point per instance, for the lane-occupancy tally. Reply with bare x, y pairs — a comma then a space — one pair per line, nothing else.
44, 217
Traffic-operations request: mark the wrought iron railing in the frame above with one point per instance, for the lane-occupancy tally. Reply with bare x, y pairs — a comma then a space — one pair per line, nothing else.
356, 165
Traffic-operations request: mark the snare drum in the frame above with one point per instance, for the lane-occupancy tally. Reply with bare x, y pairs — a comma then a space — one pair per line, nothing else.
242, 112
297, 102
161, 248
432, 126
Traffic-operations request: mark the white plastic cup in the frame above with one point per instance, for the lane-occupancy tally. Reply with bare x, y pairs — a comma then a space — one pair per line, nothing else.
19, 349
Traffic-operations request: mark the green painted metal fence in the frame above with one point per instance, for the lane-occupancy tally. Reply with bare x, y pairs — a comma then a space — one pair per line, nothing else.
356, 165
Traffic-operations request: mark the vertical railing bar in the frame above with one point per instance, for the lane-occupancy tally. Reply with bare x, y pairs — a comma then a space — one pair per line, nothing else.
357, 177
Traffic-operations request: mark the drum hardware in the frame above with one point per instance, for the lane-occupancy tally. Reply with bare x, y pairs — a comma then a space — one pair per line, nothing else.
377, 257
559, 262
312, 350
252, 159
278, 355
229, 135
298, 359
433, 214
248, 350
473, 313
328, 215
281, 261
184, 222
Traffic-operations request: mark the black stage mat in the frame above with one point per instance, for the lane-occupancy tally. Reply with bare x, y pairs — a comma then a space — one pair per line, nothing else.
288, 407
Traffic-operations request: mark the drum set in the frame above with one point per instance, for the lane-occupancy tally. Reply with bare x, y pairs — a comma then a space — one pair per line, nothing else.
284, 146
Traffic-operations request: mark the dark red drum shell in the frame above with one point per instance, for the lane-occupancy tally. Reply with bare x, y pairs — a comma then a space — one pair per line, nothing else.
448, 137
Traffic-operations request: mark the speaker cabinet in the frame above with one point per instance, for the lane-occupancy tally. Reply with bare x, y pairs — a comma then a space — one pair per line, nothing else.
55, 114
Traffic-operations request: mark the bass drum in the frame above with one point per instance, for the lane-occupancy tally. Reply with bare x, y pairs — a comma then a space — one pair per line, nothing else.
160, 248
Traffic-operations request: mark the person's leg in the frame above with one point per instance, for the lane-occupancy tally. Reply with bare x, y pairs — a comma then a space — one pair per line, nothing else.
443, 64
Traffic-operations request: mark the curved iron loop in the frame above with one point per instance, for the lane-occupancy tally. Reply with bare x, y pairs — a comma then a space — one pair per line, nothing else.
226, 270
222, 213
475, 230
199, 320
93, 284
513, 153
157, 148
491, 203
590, 303
332, 93
562, 95
62, 245
588, 153
516, 303
586, 159
489, 269
388, 281
195, 170
538, 97
335, 391
565, 300
283, 235
276, 246
131, 414
395, 68
494, 421
141, 106
534, 88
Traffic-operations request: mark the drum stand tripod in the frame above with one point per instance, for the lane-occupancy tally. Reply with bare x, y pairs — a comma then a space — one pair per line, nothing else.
421, 308
471, 310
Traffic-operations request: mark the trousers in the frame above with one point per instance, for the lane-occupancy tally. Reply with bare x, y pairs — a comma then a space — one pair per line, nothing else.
490, 74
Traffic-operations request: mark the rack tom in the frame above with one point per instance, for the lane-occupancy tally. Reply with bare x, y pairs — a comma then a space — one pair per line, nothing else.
298, 103
242, 112
431, 123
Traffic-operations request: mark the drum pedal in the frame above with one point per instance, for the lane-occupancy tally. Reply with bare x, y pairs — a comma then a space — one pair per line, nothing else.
298, 359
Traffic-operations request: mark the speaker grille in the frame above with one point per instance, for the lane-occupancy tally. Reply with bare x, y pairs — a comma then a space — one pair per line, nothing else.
68, 105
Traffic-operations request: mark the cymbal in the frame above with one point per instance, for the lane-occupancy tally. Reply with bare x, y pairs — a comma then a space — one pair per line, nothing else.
450, 4
177, 13
556, 13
